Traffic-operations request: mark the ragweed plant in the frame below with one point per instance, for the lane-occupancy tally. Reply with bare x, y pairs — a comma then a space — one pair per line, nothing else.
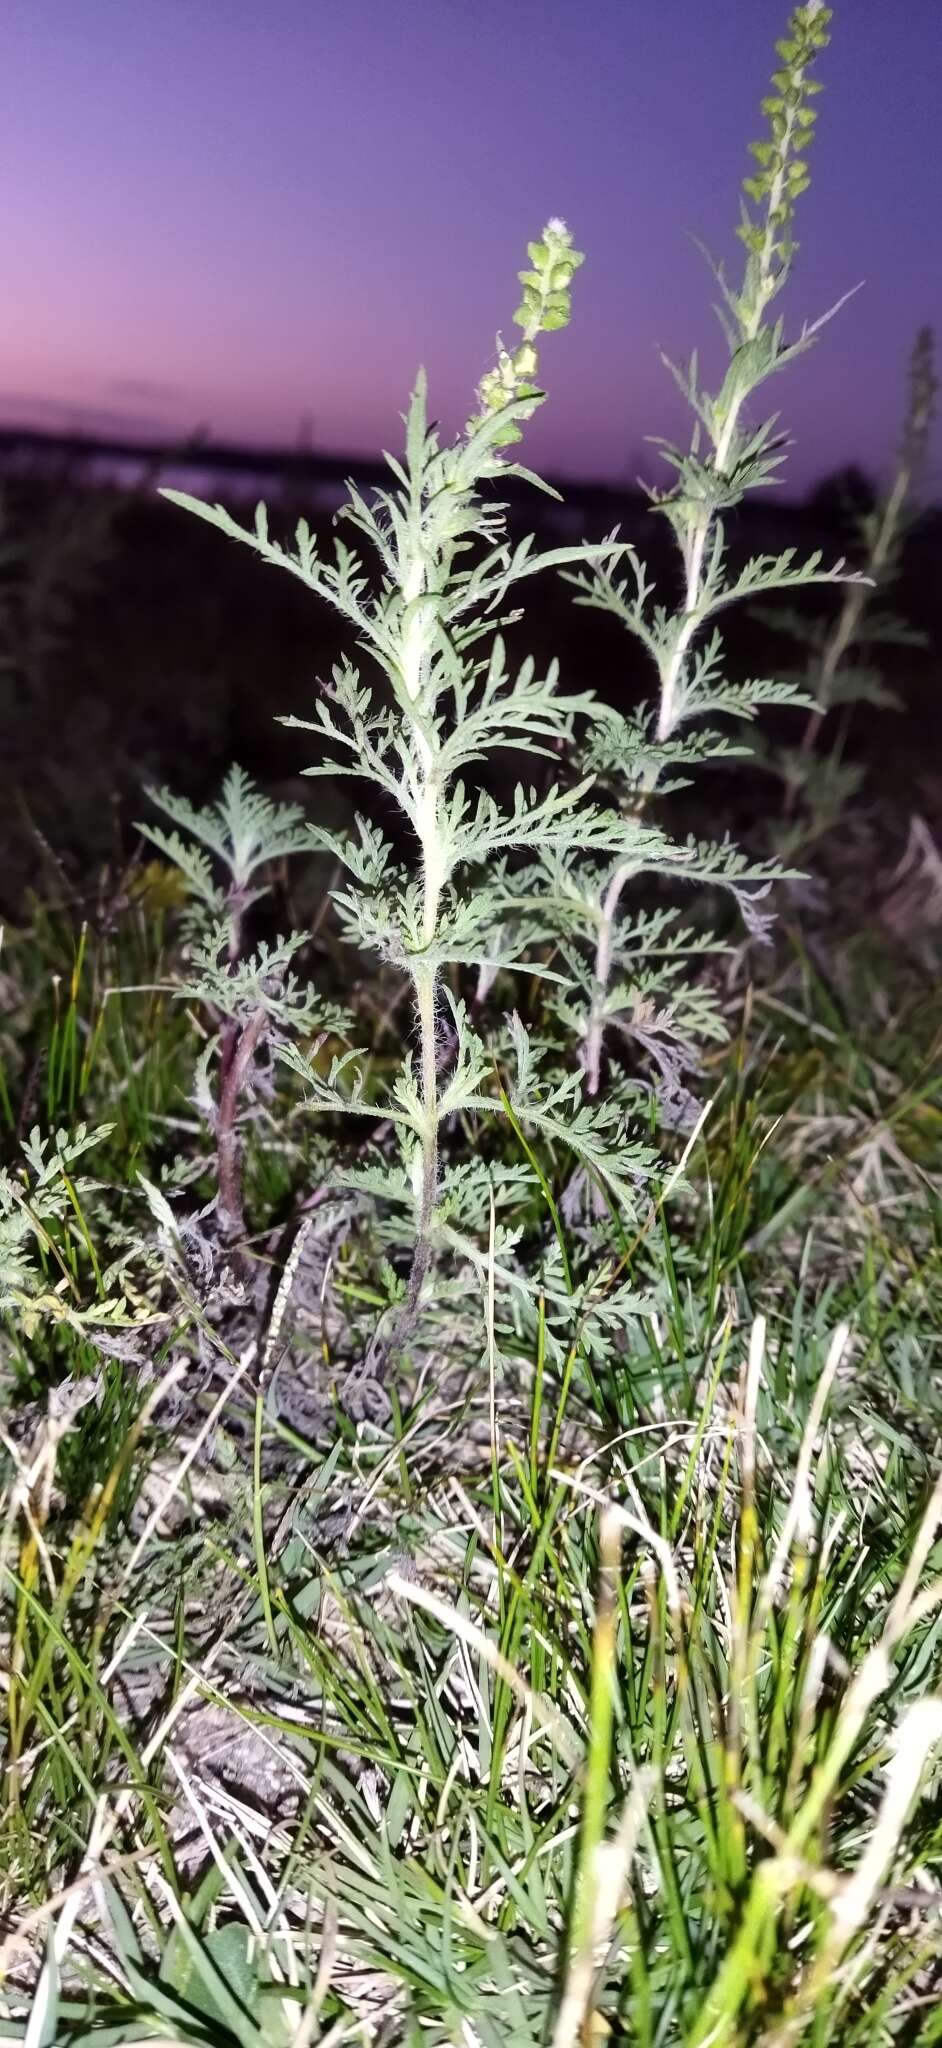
638, 981
839, 669
255, 996
430, 621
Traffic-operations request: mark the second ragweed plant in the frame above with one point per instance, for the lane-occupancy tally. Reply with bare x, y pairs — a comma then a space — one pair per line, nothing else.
635, 960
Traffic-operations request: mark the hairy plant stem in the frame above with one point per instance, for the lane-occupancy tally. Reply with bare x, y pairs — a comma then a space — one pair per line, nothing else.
426, 991
229, 1035
244, 1044
425, 984
595, 1028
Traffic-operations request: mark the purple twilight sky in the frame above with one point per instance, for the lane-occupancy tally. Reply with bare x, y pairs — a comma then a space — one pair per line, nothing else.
259, 219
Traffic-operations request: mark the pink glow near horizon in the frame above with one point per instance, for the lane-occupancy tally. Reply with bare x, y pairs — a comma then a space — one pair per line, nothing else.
226, 219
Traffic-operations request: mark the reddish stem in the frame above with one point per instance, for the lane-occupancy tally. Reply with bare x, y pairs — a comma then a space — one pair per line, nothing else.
239, 1049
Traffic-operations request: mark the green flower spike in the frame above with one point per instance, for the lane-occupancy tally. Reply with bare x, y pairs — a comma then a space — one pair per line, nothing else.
544, 307
783, 174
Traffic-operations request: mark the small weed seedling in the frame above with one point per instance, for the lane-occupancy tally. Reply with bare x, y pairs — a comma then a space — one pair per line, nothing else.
255, 995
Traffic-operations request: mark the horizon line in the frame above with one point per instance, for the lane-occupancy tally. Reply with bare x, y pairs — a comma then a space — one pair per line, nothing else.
197, 450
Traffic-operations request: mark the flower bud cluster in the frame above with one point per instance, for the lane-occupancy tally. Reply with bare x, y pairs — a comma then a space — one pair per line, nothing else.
783, 174
544, 307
